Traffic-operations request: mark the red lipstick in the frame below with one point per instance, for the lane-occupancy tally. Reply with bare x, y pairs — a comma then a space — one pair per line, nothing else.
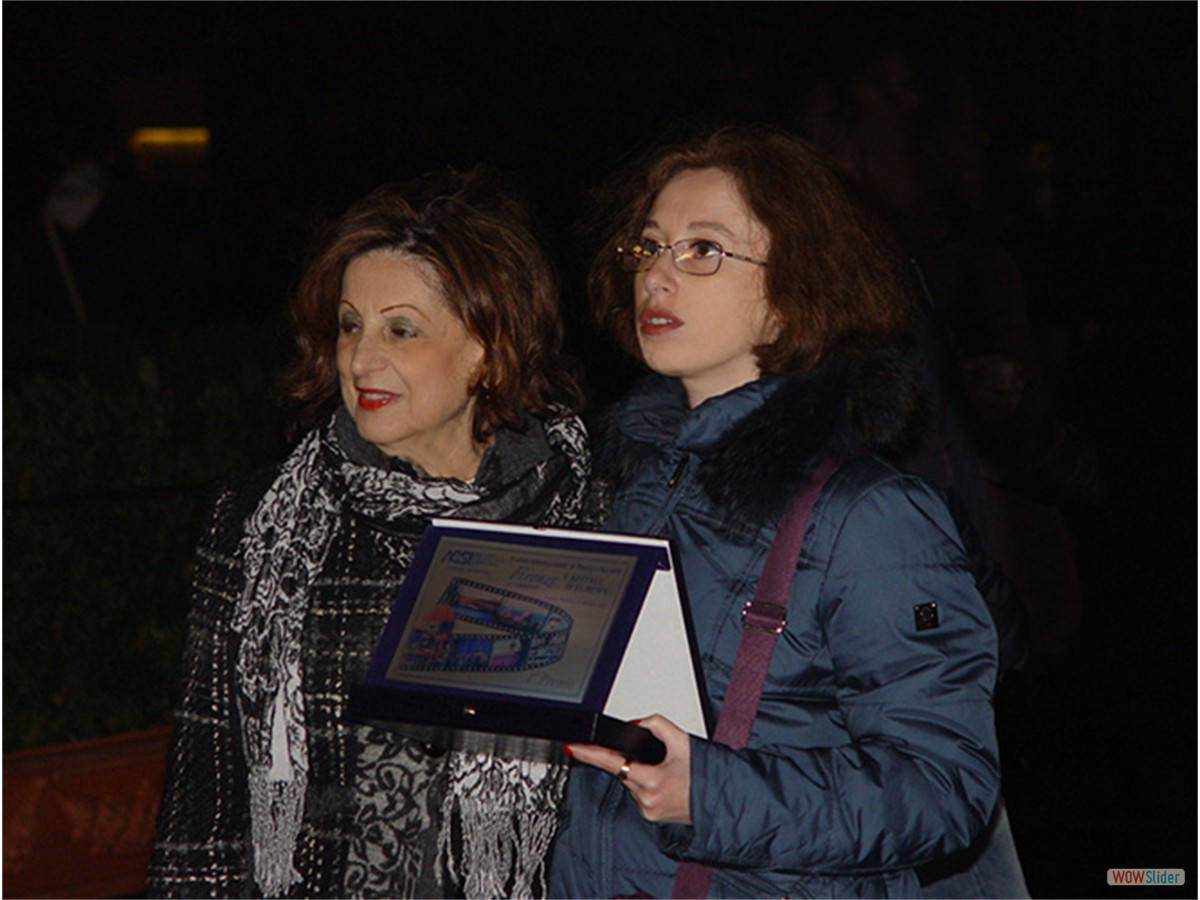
653, 322
370, 400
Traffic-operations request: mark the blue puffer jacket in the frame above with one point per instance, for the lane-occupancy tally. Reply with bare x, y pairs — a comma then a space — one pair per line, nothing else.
874, 748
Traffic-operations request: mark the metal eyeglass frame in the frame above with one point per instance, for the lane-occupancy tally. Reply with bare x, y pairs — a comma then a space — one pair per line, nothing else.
624, 252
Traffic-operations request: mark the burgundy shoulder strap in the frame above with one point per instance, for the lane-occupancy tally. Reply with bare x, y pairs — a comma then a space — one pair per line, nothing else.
763, 618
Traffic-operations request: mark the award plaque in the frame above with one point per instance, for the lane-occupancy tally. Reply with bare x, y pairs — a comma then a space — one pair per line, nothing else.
514, 640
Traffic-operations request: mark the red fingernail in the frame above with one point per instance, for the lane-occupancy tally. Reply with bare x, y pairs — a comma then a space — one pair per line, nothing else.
567, 750
636, 721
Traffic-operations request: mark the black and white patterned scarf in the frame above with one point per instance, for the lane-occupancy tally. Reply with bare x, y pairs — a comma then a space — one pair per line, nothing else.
283, 549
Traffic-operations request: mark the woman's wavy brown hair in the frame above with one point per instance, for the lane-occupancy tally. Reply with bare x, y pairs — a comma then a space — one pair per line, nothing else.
493, 275
833, 278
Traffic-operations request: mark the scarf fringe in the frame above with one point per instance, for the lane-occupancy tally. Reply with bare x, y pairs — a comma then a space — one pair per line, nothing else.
275, 814
507, 820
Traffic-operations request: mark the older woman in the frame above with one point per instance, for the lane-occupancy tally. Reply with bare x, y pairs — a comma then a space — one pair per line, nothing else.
739, 271
431, 381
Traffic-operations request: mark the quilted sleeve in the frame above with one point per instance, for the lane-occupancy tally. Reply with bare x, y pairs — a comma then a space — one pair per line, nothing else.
914, 652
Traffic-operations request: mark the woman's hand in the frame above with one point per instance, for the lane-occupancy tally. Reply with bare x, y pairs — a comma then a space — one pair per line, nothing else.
662, 791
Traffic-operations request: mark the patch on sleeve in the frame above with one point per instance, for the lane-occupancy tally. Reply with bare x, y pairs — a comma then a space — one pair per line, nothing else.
926, 616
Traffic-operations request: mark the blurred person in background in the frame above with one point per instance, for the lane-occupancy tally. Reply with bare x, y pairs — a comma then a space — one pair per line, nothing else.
1033, 464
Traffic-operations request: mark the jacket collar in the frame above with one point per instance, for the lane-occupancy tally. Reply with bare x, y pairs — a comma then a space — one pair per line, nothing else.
656, 412
759, 444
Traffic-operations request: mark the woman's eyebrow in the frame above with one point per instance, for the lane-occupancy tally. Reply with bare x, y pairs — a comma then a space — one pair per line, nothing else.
693, 226
713, 226
386, 309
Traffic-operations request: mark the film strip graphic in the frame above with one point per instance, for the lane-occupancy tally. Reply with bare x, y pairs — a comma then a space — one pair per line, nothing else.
535, 632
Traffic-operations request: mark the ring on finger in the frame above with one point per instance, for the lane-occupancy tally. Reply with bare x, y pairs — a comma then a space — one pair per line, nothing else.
623, 772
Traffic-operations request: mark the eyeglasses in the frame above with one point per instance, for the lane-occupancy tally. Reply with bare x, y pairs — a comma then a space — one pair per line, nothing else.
695, 256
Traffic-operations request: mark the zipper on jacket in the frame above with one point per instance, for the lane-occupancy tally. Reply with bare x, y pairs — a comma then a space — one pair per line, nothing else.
678, 473
669, 499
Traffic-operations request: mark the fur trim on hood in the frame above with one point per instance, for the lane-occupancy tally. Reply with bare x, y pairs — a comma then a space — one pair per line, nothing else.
845, 407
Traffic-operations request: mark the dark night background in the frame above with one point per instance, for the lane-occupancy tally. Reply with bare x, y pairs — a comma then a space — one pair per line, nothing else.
310, 105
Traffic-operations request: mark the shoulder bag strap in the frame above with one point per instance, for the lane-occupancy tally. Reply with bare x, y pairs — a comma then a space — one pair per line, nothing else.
763, 618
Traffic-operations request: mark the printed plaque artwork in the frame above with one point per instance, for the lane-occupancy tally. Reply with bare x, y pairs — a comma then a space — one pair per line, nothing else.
526, 633
517, 619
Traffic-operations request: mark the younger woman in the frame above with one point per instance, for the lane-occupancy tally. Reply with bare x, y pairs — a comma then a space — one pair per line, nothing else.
741, 274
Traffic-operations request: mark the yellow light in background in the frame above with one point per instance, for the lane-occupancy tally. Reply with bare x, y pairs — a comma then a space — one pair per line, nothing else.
192, 138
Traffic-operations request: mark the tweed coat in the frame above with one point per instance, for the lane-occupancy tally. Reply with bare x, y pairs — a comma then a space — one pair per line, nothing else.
373, 800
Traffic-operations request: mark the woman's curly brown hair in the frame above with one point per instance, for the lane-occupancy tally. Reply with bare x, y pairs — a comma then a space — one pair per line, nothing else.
833, 277
493, 275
